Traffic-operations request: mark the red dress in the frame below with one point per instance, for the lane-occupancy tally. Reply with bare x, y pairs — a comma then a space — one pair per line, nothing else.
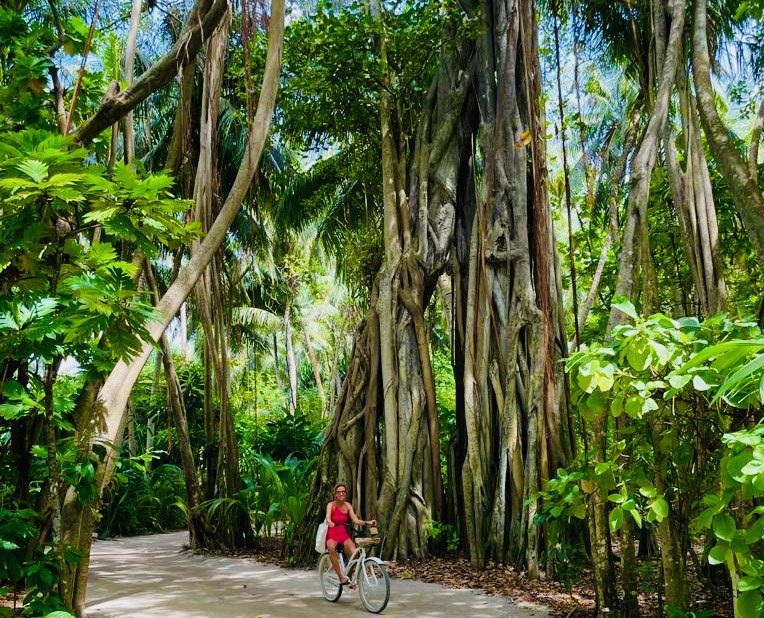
338, 532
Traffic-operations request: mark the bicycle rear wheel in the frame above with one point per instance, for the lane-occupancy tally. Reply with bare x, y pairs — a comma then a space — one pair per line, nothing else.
330, 583
374, 586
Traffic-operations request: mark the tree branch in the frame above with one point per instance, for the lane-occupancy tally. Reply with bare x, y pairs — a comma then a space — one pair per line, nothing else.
201, 23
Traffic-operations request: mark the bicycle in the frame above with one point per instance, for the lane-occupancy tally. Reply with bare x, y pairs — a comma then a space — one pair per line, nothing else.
369, 576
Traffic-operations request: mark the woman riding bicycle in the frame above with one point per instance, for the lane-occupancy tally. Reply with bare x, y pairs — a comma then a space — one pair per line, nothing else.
338, 514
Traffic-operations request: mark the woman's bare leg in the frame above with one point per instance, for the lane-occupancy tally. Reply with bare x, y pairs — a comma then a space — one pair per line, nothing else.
331, 547
349, 549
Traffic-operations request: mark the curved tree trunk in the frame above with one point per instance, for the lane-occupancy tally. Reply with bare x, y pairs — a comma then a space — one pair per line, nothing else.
635, 257
101, 412
746, 194
132, 37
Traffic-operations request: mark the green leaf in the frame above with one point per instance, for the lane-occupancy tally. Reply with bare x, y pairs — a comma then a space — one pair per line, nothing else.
649, 405
638, 357
661, 508
749, 604
637, 517
634, 405
679, 380
36, 170
627, 307
602, 467
750, 582
700, 384
661, 351
718, 553
724, 527
616, 518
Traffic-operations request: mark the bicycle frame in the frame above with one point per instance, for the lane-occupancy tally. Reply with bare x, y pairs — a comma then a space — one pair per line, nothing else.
358, 558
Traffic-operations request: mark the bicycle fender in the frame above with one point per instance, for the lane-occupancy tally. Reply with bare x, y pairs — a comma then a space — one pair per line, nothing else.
374, 559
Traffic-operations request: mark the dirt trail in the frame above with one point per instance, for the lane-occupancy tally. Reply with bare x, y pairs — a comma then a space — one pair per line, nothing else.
148, 576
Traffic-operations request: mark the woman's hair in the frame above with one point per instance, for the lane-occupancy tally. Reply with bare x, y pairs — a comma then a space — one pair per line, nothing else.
338, 485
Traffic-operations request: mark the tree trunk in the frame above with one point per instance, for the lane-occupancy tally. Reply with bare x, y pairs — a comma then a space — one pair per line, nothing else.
693, 196
635, 259
672, 561
291, 360
746, 194
315, 367
233, 530
132, 36
199, 536
105, 408
515, 411
383, 439
513, 418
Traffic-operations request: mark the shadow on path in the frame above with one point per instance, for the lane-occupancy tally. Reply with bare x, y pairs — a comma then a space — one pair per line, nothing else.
150, 576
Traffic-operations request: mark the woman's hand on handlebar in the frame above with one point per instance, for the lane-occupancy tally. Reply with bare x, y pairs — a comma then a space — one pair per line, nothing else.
371, 522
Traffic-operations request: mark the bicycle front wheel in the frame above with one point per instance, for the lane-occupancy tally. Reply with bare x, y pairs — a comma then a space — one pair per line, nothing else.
374, 586
330, 583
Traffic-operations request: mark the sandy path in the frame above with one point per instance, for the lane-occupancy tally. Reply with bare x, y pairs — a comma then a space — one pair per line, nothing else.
149, 576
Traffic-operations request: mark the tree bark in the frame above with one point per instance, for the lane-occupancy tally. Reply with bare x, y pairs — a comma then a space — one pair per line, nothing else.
102, 413
199, 535
746, 194
516, 417
202, 21
315, 367
693, 195
132, 37
291, 360
634, 260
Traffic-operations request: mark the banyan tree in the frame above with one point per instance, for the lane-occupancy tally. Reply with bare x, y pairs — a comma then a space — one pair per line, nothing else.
464, 195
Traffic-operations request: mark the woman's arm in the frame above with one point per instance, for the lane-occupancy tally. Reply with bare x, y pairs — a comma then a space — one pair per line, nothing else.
354, 517
328, 520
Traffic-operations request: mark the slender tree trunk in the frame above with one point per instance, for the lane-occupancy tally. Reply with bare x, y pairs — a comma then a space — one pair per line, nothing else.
199, 536
746, 194
635, 259
132, 36
291, 360
315, 367
566, 177
612, 231
693, 196
109, 402
672, 561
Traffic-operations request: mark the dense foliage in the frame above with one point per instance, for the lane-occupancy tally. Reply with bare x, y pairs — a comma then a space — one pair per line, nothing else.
654, 270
